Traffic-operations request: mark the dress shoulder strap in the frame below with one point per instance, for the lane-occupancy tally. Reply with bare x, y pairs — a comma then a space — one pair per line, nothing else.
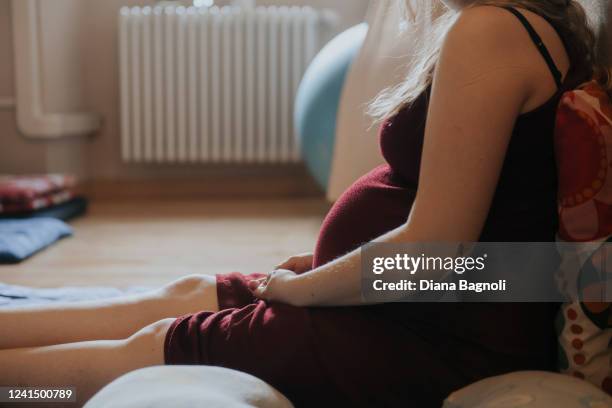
537, 40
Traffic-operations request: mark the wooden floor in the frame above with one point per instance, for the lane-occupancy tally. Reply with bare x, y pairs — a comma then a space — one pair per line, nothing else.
140, 243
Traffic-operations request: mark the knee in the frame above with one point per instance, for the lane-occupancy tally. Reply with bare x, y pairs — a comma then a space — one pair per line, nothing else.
144, 348
189, 284
152, 335
190, 294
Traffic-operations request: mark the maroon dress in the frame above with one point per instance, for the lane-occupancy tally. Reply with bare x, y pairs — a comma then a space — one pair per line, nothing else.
400, 354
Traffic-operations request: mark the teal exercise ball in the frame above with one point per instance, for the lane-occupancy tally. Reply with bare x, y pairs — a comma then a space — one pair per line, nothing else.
318, 99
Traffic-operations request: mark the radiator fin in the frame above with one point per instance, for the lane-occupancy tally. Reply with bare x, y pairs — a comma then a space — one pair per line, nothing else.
213, 84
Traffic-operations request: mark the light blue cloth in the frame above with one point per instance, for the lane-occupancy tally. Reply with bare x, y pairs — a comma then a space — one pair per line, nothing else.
318, 100
13, 296
20, 239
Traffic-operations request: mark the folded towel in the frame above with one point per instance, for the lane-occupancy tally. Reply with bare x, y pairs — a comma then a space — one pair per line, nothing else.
19, 239
22, 193
35, 203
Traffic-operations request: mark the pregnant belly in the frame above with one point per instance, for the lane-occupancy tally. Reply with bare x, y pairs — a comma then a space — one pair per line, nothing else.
375, 204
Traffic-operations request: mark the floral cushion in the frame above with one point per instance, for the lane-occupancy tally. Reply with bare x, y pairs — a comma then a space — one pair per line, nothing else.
583, 141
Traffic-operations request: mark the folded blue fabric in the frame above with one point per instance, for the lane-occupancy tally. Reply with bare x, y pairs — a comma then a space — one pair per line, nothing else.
20, 239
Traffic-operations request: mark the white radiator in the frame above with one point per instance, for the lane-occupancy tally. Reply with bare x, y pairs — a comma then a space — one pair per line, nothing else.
212, 85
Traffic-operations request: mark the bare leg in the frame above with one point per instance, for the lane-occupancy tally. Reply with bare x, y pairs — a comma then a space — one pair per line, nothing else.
115, 318
88, 366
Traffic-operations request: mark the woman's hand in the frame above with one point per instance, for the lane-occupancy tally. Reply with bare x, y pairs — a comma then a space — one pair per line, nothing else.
279, 286
298, 263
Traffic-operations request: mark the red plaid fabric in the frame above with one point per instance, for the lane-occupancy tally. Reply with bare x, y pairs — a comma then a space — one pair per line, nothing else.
29, 193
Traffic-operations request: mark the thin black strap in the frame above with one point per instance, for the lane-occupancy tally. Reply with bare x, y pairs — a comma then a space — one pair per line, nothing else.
537, 40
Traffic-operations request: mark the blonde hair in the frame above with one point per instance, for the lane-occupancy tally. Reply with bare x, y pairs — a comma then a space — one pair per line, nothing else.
568, 17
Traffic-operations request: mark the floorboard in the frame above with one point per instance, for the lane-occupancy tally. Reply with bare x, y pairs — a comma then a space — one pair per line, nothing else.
148, 243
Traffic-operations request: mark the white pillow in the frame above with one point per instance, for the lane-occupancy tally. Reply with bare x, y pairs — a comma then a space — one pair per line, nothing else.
187, 387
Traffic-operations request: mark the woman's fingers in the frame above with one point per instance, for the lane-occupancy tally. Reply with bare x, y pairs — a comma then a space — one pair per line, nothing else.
297, 263
276, 286
256, 283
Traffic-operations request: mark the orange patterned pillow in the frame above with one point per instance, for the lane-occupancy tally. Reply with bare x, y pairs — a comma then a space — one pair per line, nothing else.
583, 143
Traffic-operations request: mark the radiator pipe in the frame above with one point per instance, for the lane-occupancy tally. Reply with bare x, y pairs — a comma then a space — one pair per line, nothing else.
32, 120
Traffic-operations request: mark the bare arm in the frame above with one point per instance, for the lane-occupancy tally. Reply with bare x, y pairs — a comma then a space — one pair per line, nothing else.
479, 90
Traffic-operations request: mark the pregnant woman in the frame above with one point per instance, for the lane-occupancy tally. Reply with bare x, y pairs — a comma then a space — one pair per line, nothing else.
468, 143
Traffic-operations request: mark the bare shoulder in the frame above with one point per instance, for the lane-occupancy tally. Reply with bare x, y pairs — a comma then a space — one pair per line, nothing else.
484, 20
491, 40
486, 42
488, 29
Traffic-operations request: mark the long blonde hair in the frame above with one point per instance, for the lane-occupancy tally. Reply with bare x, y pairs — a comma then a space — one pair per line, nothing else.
567, 16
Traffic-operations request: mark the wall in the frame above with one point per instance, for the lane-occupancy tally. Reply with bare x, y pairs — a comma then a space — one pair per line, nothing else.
91, 25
